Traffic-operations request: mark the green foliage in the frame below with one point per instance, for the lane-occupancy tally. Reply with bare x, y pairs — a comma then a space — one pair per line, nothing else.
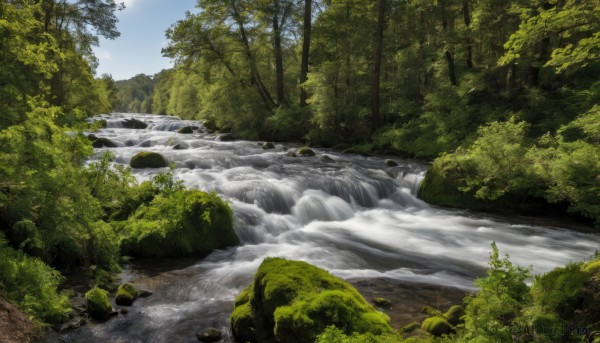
335, 335
179, 223
500, 302
455, 314
97, 304
33, 285
293, 301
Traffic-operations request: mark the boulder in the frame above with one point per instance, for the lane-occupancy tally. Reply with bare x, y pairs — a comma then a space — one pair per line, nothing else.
186, 130
92, 137
182, 223
210, 126
181, 146
305, 151
209, 335
391, 163
382, 302
326, 158
126, 295
142, 293
437, 326
102, 142
291, 153
133, 123
268, 146
98, 306
148, 160
294, 302
73, 324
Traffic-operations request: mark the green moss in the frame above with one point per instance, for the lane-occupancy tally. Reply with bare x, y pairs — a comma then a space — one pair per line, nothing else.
409, 328
437, 326
335, 335
243, 323
126, 295
454, 315
98, 306
382, 302
293, 301
305, 151
430, 311
148, 160
180, 223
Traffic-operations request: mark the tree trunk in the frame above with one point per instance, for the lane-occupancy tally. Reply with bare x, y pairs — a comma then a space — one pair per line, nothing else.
375, 96
278, 58
451, 71
256, 79
305, 51
467, 17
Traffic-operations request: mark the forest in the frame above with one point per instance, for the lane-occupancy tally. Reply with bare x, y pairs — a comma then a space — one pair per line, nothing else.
501, 96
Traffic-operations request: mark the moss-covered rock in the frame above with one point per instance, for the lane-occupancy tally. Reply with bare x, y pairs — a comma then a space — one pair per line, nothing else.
305, 151
148, 160
210, 126
291, 301
268, 146
382, 302
134, 124
409, 328
97, 304
102, 142
455, 314
186, 130
180, 223
126, 295
437, 326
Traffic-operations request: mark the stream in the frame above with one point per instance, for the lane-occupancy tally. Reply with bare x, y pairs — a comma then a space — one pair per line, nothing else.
349, 214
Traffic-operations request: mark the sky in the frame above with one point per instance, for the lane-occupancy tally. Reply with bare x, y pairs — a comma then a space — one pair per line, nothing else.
142, 25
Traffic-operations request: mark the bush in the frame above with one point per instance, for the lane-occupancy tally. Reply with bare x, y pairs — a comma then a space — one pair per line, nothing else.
32, 285
292, 301
179, 223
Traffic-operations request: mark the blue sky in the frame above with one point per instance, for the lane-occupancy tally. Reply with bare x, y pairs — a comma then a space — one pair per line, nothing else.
142, 25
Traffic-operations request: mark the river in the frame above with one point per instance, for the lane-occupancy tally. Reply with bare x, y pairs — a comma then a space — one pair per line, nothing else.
349, 214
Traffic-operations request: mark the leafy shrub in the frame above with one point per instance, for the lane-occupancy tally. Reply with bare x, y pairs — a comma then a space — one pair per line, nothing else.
32, 285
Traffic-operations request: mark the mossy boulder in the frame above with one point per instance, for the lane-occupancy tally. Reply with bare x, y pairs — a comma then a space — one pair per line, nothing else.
148, 160
455, 314
437, 326
180, 223
102, 142
382, 302
292, 301
126, 295
409, 328
97, 304
268, 146
186, 130
391, 163
305, 151
134, 124
326, 158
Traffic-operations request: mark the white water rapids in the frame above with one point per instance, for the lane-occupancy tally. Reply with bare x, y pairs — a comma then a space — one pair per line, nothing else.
353, 216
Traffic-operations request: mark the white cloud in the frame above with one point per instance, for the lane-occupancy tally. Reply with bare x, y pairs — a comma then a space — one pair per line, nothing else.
103, 55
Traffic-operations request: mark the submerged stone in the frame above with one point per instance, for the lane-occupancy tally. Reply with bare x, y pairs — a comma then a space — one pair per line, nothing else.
209, 335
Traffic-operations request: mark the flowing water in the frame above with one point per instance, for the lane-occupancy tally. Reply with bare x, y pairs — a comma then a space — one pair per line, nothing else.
349, 214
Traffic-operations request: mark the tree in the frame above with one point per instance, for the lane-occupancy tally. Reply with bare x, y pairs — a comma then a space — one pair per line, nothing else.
376, 107
307, 31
